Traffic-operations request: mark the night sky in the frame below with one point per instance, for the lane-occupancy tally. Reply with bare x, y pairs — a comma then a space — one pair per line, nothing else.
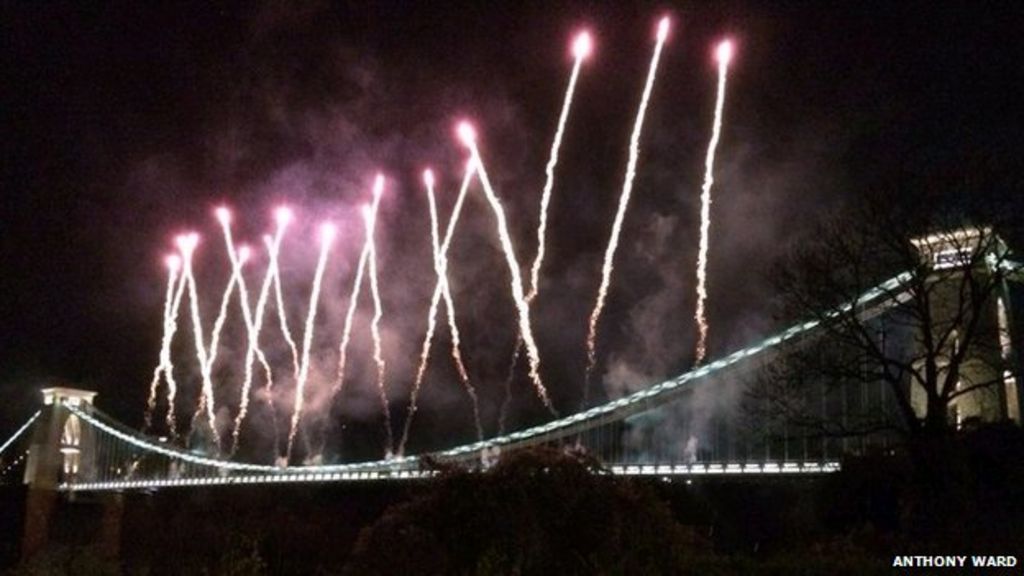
127, 124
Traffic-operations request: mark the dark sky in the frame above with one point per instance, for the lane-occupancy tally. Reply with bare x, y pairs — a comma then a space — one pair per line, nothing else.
126, 124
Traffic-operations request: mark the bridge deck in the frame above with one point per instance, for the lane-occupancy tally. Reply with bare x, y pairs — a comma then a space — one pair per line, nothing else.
664, 470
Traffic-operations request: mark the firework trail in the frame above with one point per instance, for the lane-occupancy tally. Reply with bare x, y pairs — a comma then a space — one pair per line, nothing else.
441, 267
627, 189
346, 333
723, 54
188, 244
239, 259
253, 324
172, 385
435, 239
581, 49
283, 216
435, 299
370, 218
206, 399
327, 232
173, 266
468, 137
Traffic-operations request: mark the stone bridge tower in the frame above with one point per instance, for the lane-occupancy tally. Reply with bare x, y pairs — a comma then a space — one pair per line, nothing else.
967, 289
62, 448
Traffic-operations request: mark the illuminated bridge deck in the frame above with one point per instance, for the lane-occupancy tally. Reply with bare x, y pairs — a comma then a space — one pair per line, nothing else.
665, 470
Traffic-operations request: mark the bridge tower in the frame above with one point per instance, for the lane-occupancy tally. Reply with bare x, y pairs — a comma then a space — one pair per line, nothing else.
963, 263
61, 449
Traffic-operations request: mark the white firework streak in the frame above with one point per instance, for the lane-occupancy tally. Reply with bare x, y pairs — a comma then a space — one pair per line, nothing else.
172, 385
370, 217
545, 201
253, 349
627, 190
205, 398
522, 306
172, 277
273, 250
441, 267
453, 328
435, 299
445, 288
252, 327
307, 337
549, 183
705, 208
346, 334
282, 313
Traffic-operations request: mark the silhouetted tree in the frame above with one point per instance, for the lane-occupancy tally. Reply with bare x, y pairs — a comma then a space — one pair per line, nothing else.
937, 339
538, 511
937, 342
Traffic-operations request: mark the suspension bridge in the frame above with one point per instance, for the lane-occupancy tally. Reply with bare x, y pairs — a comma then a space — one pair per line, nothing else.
686, 426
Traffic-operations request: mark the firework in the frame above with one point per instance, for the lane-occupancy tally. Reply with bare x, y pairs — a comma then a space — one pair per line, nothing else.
206, 398
327, 233
182, 283
346, 333
252, 339
367, 259
222, 314
283, 217
435, 299
627, 189
166, 359
370, 218
468, 136
723, 54
254, 324
187, 244
173, 263
441, 267
581, 49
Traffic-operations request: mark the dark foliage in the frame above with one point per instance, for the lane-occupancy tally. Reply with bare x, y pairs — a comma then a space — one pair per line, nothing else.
539, 511
963, 494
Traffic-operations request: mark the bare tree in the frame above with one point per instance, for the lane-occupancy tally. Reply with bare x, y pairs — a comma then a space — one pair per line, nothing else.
935, 340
